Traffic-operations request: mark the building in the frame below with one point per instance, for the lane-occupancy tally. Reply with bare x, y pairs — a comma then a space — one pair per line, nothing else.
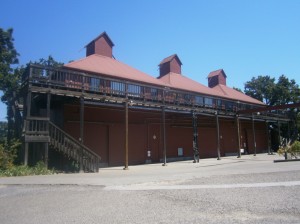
102, 112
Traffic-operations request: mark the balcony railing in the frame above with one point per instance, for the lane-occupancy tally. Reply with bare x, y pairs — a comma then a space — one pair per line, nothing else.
76, 81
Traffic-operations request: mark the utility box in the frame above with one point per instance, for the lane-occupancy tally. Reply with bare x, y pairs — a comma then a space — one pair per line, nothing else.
180, 151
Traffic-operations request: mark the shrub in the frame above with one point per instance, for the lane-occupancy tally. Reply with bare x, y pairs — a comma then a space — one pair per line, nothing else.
7, 156
292, 150
38, 169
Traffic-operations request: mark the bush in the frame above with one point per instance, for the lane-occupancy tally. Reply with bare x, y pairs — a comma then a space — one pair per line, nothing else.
292, 150
8, 154
38, 169
8, 168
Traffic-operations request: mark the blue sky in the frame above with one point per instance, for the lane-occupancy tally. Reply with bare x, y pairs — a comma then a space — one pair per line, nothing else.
245, 38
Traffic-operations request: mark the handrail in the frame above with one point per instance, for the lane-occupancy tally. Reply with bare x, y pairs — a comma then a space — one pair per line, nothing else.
74, 148
74, 140
103, 85
42, 129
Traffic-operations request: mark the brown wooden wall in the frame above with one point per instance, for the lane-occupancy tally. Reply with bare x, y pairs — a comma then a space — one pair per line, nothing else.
104, 133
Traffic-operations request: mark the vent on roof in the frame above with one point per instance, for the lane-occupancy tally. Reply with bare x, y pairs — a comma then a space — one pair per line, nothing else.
170, 64
216, 77
101, 45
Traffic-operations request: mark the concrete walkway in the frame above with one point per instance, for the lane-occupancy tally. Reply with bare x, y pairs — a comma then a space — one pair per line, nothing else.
172, 174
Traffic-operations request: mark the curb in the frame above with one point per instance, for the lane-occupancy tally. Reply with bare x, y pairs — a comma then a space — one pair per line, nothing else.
286, 160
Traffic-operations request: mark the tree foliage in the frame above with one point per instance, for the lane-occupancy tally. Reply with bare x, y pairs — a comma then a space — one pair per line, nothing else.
265, 89
285, 91
9, 77
261, 88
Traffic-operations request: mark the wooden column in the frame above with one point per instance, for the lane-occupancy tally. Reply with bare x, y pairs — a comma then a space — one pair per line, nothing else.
126, 135
254, 137
164, 136
195, 137
279, 137
81, 131
268, 138
47, 143
238, 136
28, 108
218, 136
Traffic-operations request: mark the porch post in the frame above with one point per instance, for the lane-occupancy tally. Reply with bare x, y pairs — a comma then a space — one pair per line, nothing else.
28, 108
195, 137
268, 138
289, 131
164, 135
254, 138
279, 137
81, 131
48, 116
218, 136
238, 136
126, 135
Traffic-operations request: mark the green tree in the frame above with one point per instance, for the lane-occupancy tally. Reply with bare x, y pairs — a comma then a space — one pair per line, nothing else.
9, 77
261, 88
286, 91
237, 89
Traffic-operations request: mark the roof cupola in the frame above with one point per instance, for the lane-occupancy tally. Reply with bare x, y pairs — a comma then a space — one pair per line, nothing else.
101, 45
216, 77
170, 64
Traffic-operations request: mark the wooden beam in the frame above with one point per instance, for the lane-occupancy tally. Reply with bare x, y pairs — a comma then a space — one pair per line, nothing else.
269, 108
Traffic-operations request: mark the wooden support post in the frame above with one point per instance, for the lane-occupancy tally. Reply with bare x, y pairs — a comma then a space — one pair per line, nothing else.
48, 116
279, 137
238, 136
81, 131
26, 154
164, 136
289, 132
218, 136
268, 138
254, 137
26, 124
126, 135
46, 154
195, 137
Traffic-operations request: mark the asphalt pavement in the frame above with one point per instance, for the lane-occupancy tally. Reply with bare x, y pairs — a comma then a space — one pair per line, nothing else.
250, 189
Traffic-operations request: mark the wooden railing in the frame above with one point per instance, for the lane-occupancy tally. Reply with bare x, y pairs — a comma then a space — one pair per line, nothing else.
39, 129
102, 85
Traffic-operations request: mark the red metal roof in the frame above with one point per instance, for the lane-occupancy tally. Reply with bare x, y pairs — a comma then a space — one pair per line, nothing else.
103, 65
179, 81
111, 67
170, 58
235, 95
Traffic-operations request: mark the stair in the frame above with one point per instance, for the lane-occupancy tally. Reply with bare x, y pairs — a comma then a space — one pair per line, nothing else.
68, 145
43, 130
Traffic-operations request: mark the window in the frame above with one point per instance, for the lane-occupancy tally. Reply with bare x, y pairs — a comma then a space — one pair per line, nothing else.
95, 83
199, 100
153, 92
208, 102
134, 90
117, 87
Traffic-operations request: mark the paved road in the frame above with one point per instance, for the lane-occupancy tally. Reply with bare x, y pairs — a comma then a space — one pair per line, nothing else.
247, 190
